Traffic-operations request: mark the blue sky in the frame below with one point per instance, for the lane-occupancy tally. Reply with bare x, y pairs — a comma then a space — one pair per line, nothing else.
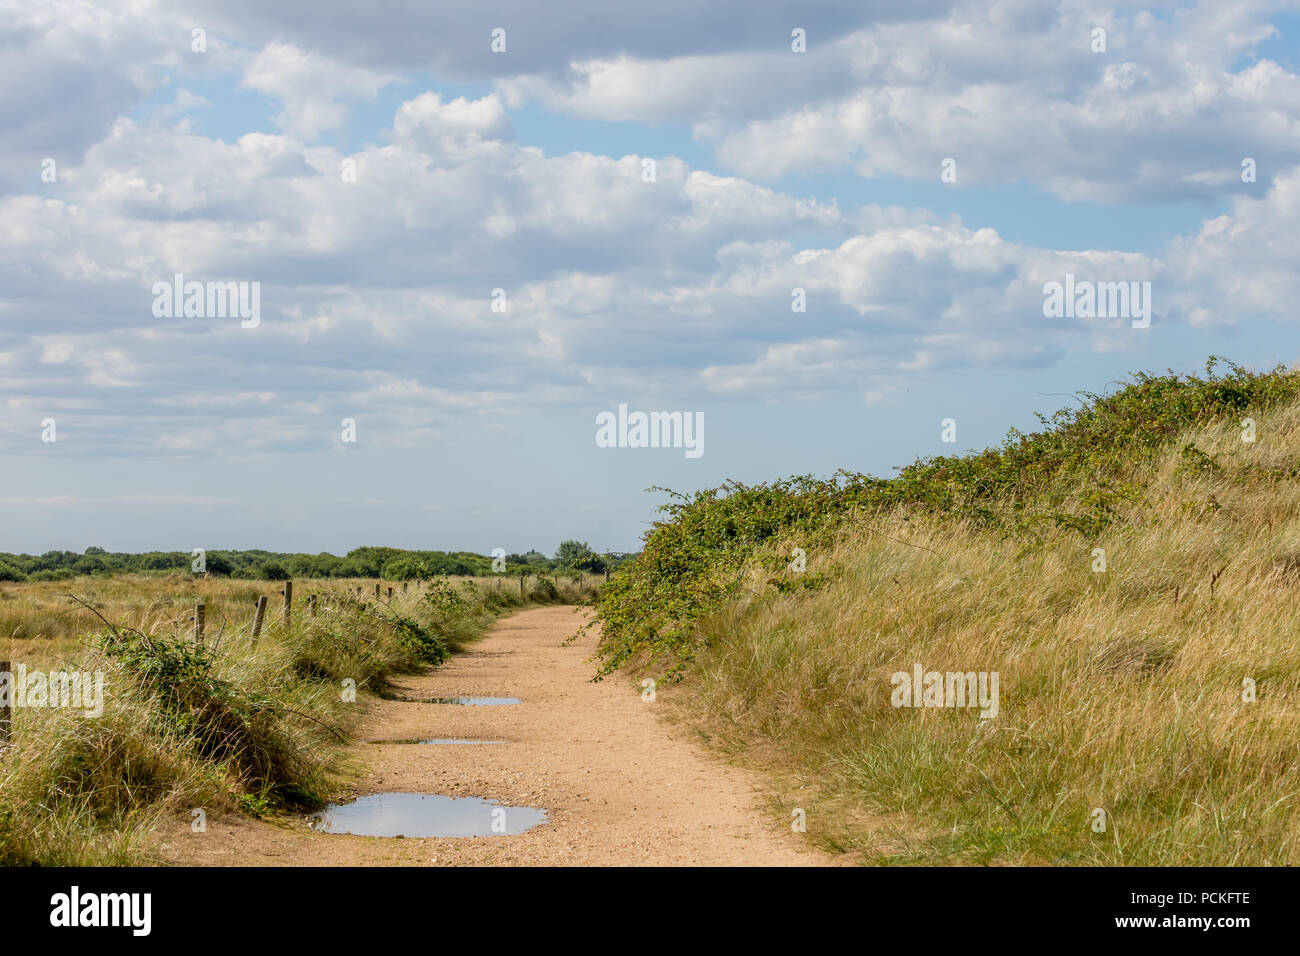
525, 171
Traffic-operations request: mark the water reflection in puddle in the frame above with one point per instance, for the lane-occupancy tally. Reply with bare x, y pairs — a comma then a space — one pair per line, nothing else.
435, 740
426, 815
467, 701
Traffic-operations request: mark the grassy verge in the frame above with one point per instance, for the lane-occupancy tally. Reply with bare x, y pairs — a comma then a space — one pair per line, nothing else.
1131, 574
226, 725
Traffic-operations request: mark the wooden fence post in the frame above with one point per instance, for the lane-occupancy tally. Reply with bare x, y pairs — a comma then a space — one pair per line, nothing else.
521, 585
405, 584
200, 611
7, 704
390, 594
376, 589
288, 604
311, 604
607, 575
258, 615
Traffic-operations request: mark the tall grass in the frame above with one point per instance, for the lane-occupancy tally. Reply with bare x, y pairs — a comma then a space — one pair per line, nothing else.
226, 725
1121, 691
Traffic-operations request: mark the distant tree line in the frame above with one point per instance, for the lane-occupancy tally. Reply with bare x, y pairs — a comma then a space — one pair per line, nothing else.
394, 564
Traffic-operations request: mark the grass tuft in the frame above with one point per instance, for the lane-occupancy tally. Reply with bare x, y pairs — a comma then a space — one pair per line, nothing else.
1129, 574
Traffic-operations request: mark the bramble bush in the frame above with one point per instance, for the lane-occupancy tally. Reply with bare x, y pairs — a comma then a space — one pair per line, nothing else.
1075, 474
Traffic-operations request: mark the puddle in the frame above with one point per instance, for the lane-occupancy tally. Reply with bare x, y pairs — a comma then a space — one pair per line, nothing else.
426, 815
467, 701
435, 740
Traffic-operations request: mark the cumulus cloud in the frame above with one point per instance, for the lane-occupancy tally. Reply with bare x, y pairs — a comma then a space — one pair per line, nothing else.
1243, 264
68, 71
1013, 92
312, 89
377, 290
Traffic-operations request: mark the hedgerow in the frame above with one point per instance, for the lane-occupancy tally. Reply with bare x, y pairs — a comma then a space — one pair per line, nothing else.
1075, 473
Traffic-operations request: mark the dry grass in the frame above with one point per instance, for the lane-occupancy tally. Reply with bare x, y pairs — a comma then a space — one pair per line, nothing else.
251, 726
1120, 691
38, 620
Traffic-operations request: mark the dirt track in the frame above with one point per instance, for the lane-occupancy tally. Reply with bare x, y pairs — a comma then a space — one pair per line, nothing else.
620, 785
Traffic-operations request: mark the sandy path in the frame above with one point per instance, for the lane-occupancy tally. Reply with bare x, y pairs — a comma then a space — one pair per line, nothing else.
620, 785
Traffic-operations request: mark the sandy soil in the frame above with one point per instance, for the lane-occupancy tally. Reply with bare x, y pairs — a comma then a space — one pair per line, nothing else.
621, 786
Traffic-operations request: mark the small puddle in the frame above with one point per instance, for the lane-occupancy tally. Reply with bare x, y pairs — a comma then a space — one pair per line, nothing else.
467, 701
435, 740
426, 815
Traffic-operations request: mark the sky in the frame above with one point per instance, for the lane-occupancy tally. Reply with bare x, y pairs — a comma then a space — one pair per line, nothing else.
826, 231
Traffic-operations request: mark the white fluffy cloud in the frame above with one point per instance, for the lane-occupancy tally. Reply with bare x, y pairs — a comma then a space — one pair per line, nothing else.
377, 294
1012, 91
1242, 264
313, 90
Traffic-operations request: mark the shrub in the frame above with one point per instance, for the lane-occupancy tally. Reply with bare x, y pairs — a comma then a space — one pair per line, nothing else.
405, 568
228, 724
272, 571
1073, 475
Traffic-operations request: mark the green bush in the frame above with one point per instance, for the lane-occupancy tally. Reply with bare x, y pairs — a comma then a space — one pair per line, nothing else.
272, 571
1071, 474
227, 723
63, 574
406, 568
